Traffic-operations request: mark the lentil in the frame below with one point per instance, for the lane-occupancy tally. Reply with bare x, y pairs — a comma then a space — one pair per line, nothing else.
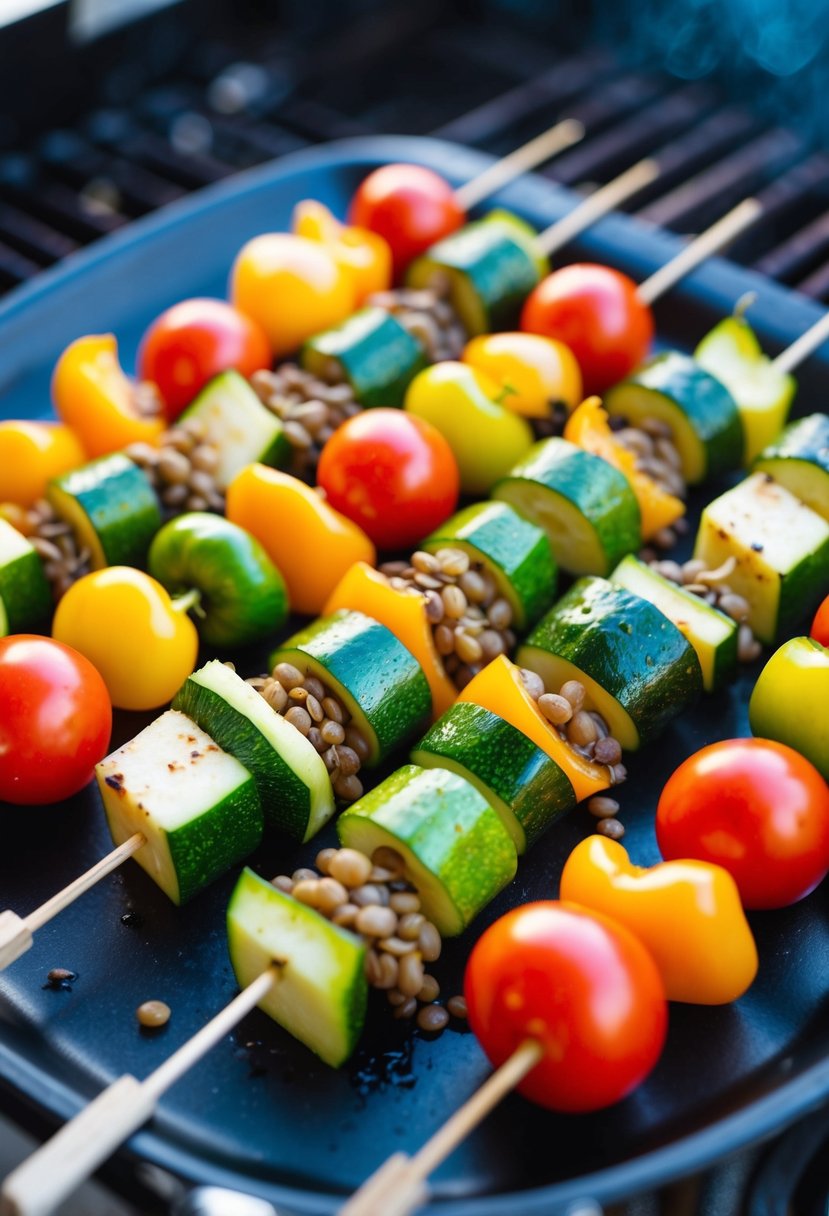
430, 990
410, 973
349, 867
555, 708
603, 807
429, 942
152, 1015
310, 409
376, 921
457, 1007
614, 829
408, 1009
428, 316
432, 1019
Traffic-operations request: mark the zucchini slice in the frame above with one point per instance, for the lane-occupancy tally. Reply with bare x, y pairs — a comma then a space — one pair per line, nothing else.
457, 851
799, 460
520, 781
516, 553
374, 353
292, 779
703, 416
638, 670
25, 598
196, 806
321, 992
491, 266
712, 634
243, 430
378, 680
586, 507
763, 394
111, 507
781, 548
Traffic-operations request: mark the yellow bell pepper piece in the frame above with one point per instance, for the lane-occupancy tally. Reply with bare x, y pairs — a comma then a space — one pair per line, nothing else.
94, 397
307, 540
687, 913
588, 428
364, 255
31, 454
364, 589
498, 687
531, 371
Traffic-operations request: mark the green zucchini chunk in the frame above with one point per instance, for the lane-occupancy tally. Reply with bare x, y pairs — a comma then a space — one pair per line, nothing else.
243, 430
586, 507
490, 267
458, 853
111, 507
705, 423
292, 779
25, 598
711, 632
373, 352
638, 670
321, 991
196, 806
378, 680
516, 553
520, 781
780, 547
799, 460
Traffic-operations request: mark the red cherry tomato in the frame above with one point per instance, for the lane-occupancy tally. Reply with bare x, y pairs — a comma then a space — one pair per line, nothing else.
394, 474
580, 984
597, 312
820, 625
410, 206
192, 342
756, 808
55, 722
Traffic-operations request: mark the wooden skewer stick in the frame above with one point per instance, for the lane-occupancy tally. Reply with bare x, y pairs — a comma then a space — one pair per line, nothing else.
531, 154
803, 346
598, 204
52, 1172
707, 243
399, 1184
17, 932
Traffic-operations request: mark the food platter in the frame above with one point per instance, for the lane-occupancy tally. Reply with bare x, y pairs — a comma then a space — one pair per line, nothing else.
260, 1114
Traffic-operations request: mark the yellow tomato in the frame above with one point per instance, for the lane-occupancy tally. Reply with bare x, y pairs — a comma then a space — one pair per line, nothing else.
92, 394
32, 453
533, 372
143, 643
291, 286
364, 255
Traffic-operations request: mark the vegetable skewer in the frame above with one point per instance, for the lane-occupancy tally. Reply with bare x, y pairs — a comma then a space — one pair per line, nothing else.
521, 160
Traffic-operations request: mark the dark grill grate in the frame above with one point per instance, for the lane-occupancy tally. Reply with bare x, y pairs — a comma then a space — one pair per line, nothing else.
226, 109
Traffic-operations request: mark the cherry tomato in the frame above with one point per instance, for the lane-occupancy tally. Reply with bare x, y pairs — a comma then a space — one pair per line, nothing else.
55, 722
392, 473
192, 342
597, 312
581, 985
756, 808
820, 625
410, 206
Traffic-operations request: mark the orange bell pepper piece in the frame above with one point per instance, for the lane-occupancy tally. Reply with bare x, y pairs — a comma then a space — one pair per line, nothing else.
687, 913
31, 454
588, 428
363, 254
307, 540
96, 399
498, 687
364, 589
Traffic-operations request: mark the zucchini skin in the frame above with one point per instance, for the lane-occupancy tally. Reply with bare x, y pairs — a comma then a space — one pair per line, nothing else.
365, 660
514, 550
24, 593
378, 356
627, 646
504, 761
119, 505
210, 846
706, 403
801, 449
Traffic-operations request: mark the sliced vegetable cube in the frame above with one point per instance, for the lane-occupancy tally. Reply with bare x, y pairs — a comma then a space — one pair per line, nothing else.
321, 991
638, 670
25, 598
779, 545
111, 507
372, 351
799, 460
242, 429
458, 853
196, 806
519, 780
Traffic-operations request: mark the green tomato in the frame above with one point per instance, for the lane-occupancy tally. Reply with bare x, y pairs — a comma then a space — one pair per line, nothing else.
763, 394
238, 594
486, 438
788, 700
